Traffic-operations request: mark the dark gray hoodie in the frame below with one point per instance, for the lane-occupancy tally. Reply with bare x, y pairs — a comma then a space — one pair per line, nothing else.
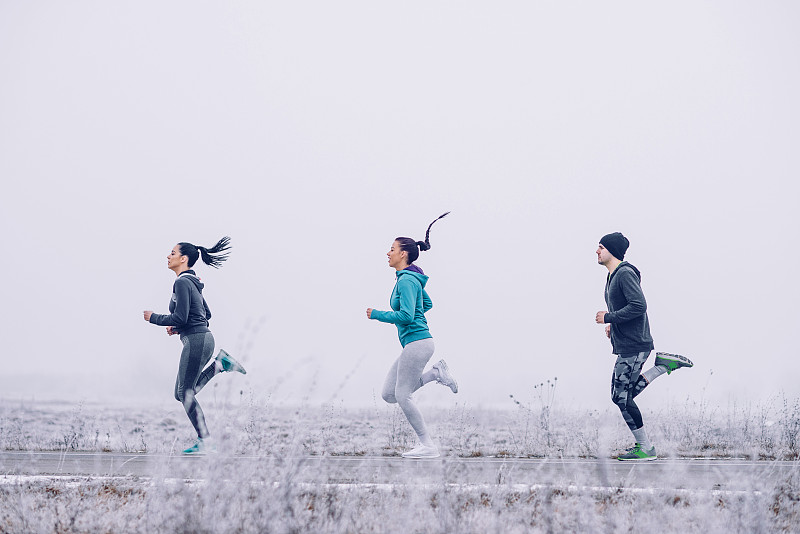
627, 311
188, 311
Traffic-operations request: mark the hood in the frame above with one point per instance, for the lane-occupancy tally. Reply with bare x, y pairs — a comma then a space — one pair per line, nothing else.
190, 275
414, 268
629, 265
423, 279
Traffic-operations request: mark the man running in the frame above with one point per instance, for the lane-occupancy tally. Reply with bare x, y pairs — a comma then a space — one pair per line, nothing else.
629, 330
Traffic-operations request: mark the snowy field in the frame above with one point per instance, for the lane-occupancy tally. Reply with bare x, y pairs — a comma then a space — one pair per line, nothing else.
272, 496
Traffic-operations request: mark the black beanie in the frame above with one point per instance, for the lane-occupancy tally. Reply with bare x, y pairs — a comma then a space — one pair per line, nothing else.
616, 244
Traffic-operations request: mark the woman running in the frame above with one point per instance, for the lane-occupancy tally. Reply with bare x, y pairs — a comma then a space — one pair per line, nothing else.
188, 317
409, 302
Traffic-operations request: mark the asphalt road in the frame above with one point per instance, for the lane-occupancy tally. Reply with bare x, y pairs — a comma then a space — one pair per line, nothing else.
692, 474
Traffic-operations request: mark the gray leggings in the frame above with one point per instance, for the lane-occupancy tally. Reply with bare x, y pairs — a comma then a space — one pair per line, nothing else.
197, 351
405, 377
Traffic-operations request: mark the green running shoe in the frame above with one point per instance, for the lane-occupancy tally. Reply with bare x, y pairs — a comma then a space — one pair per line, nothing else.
628, 450
229, 364
637, 454
672, 361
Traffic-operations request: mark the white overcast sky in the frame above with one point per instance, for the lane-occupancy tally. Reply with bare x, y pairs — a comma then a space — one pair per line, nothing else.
314, 133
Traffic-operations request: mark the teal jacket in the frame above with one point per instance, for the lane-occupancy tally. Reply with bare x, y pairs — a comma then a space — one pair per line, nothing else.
409, 302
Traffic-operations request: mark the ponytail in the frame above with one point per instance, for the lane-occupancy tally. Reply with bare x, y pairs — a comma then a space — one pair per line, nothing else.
413, 248
213, 256
426, 245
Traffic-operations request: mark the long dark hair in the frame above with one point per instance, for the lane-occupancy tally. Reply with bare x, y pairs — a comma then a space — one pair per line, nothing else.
413, 248
211, 256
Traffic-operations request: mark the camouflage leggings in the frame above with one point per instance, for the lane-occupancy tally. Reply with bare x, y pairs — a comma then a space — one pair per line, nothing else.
626, 383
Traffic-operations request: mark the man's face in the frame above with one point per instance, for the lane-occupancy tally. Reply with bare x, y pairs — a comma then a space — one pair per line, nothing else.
603, 255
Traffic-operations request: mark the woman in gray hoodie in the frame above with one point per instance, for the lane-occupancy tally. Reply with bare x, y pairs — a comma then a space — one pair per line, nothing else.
188, 317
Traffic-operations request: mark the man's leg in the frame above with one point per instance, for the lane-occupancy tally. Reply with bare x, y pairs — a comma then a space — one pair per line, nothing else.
625, 379
665, 363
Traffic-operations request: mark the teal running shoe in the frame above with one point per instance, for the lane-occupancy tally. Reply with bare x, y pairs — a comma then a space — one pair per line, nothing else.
637, 454
200, 447
672, 361
229, 364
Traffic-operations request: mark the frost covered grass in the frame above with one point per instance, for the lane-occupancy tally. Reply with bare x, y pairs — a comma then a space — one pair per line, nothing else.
532, 429
271, 499
222, 506
271, 496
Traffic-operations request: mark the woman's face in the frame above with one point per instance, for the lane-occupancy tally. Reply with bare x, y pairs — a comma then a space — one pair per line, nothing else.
175, 259
397, 256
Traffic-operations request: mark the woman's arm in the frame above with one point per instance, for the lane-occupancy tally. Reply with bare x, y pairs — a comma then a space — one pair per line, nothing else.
427, 303
408, 291
208, 310
183, 300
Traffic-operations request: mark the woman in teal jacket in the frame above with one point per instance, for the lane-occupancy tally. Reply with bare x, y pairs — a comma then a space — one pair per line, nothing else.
409, 302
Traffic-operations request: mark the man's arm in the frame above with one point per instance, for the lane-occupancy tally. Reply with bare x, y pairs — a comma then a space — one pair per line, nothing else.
636, 304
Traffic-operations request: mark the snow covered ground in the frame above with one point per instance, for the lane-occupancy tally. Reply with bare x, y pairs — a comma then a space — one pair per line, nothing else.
281, 494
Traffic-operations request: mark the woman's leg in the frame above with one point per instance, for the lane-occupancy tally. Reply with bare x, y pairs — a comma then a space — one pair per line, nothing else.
429, 376
410, 366
390, 384
224, 362
212, 370
197, 350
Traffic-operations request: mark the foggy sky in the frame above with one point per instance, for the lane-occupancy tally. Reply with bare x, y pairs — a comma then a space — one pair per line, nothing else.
314, 133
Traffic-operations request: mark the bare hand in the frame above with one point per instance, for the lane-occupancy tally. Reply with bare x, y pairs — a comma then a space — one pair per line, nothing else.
608, 331
171, 331
369, 313
600, 318
147, 314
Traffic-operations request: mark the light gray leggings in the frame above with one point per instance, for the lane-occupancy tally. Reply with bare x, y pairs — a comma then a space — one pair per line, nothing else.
405, 377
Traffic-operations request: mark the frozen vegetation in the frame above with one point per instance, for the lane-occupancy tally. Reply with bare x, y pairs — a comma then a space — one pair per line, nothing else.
271, 498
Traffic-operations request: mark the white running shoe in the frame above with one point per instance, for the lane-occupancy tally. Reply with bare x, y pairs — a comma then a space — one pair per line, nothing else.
445, 378
422, 451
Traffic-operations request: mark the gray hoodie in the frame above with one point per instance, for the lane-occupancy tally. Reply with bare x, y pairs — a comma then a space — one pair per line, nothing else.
188, 311
627, 311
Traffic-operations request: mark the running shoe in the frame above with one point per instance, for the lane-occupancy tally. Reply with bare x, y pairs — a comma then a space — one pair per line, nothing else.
229, 364
617, 453
672, 361
422, 451
445, 378
637, 454
201, 446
